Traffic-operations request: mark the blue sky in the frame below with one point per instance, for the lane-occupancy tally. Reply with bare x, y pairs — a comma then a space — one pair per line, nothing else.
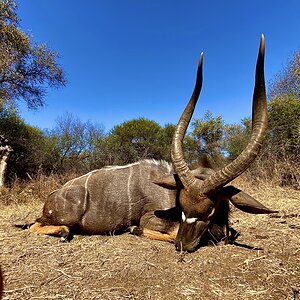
127, 59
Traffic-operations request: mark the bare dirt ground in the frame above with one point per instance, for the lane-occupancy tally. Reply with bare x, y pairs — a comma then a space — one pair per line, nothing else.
266, 264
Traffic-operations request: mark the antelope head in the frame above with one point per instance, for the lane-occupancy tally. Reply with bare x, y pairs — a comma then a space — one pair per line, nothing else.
201, 198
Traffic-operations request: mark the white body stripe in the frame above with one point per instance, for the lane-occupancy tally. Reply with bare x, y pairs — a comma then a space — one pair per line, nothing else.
129, 195
149, 161
87, 174
120, 167
85, 186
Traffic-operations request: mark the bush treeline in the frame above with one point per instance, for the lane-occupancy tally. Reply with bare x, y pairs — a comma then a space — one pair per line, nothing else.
77, 146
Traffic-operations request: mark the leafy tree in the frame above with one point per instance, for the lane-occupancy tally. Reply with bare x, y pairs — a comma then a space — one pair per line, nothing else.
209, 133
192, 151
165, 138
32, 150
26, 68
236, 137
134, 140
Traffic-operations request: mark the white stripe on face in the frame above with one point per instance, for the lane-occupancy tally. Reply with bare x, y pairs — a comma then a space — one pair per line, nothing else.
183, 217
191, 220
188, 220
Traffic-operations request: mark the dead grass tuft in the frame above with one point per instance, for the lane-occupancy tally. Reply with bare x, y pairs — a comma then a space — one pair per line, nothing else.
34, 189
285, 173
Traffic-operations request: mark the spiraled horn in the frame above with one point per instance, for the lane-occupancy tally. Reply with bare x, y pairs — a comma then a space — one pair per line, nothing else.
181, 167
259, 125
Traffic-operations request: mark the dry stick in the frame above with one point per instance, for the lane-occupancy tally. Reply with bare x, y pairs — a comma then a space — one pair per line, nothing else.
247, 261
69, 276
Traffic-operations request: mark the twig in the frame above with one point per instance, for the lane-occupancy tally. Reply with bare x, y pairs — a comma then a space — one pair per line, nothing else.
67, 275
247, 261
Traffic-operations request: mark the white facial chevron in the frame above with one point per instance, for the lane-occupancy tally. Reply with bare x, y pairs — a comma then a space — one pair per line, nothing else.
188, 220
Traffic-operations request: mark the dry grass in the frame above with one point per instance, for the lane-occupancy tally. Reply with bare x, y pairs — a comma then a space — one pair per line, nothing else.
129, 267
276, 172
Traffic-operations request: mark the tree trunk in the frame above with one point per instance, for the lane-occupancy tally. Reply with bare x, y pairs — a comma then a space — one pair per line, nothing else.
4, 155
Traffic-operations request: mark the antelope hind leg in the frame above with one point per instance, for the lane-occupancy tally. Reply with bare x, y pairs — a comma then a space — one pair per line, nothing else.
61, 231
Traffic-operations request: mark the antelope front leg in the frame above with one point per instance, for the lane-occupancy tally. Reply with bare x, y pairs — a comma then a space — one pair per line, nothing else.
155, 228
61, 231
157, 235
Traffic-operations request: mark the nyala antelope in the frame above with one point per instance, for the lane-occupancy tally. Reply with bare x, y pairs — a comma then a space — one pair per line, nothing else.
156, 200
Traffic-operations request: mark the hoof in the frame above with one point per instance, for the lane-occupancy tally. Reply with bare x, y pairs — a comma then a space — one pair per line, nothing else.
65, 235
64, 239
135, 230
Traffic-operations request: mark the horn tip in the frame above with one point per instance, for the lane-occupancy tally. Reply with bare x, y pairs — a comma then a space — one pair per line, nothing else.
262, 44
201, 58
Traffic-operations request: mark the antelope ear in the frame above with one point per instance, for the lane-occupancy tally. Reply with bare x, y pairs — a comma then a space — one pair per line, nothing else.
170, 182
245, 202
171, 214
